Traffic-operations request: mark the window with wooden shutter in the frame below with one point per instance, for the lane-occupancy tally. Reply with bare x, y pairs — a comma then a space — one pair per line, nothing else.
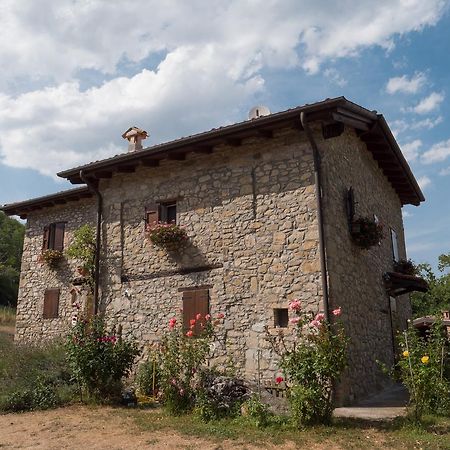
45, 242
58, 243
280, 317
151, 214
195, 302
54, 236
51, 303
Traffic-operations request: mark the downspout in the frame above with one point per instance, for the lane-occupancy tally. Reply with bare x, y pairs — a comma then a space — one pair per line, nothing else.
94, 188
318, 186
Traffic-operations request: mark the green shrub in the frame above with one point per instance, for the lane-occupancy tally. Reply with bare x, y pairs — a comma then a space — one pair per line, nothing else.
421, 368
149, 375
313, 364
99, 358
257, 411
33, 377
7, 315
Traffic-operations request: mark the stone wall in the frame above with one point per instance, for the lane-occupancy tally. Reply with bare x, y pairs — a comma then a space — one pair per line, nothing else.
36, 277
250, 215
355, 275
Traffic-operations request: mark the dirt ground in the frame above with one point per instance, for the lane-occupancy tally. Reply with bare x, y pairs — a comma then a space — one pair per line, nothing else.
80, 427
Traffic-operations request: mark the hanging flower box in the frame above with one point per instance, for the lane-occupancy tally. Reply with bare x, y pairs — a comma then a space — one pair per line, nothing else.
405, 266
366, 232
51, 258
169, 236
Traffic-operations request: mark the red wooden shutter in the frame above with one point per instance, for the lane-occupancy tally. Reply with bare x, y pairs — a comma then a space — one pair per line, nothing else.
59, 236
152, 214
45, 239
51, 303
195, 302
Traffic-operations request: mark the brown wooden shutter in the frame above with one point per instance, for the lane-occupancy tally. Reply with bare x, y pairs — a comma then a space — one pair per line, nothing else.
195, 302
152, 214
51, 303
46, 237
59, 236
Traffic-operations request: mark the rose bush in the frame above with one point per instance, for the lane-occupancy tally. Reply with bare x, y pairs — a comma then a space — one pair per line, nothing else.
313, 363
99, 358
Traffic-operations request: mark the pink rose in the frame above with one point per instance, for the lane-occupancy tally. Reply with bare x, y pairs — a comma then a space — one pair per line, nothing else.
172, 322
279, 380
192, 322
295, 305
198, 316
316, 323
207, 317
190, 333
320, 316
220, 316
337, 311
295, 320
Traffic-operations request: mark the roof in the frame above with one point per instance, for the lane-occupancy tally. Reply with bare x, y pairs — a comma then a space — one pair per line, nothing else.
23, 208
371, 128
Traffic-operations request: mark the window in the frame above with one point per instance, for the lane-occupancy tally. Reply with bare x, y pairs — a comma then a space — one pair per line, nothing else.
195, 302
54, 236
51, 304
280, 317
165, 212
394, 243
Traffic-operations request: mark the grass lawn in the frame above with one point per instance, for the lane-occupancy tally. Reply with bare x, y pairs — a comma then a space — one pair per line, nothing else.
344, 433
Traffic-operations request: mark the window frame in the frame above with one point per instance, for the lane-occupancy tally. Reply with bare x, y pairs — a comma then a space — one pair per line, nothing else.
50, 234
394, 245
280, 317
51, 311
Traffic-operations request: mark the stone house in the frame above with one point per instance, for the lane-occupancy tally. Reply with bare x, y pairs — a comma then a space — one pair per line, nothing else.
268, 205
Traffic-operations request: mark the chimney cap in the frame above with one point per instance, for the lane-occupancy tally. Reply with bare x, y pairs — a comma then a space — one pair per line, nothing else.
134, 131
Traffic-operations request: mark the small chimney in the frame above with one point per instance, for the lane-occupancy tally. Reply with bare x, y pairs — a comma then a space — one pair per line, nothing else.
135, 136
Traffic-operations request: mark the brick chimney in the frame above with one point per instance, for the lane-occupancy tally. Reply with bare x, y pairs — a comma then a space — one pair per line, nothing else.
135, 136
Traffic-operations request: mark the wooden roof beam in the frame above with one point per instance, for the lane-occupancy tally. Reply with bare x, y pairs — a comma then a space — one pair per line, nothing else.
234, 142
176, 156
126, 168
150, 162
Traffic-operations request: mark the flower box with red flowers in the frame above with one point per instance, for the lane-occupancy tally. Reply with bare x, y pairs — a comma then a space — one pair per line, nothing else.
51, 258
366, 232
169, 236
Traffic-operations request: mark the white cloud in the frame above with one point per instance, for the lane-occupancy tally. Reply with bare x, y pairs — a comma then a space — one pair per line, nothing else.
423, 182
429, 103
411, 149
407, 214
57, 38
405, 84
335, 77
400, 126
445, 172
438, 152
209, 60
70, 127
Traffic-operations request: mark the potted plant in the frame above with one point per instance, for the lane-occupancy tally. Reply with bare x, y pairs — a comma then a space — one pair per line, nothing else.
51, 258
366, 232
405, 266
169, 236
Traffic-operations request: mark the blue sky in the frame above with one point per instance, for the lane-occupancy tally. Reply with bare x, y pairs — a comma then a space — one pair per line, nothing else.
81, 72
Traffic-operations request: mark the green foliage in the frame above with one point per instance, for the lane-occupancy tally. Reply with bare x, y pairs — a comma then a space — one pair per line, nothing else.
11, 242
83, 248
149, 375
33, 377
167, 235
7, 315
99, 358
257, 411
182, 356
421, 368
313, 364
437, 298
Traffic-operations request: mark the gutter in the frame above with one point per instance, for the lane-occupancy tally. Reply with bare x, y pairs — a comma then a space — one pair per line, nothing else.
94, 188
318, 185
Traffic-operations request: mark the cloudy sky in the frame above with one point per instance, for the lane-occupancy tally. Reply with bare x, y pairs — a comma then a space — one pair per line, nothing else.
76, 73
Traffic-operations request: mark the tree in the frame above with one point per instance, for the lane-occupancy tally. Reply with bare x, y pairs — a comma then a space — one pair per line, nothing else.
11, 243
437, 298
